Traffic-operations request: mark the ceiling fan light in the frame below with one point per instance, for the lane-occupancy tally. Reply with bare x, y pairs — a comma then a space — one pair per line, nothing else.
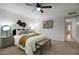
38, 9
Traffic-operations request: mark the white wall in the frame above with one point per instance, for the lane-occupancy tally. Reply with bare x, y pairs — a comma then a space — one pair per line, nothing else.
0, 37
57, 33
77, 26
74, 29
9, 18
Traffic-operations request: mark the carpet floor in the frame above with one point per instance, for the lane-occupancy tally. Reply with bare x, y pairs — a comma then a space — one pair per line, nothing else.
57, 48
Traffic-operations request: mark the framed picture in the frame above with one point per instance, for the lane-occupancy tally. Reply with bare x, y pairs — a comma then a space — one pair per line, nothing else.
48, 24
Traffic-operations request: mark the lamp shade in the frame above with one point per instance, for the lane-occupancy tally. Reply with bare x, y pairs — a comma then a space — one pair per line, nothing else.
32, 28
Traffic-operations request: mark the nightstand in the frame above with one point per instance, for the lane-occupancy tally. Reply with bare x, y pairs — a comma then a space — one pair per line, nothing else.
6, 42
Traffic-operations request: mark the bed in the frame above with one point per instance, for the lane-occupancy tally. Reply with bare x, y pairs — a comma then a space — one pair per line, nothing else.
30, 43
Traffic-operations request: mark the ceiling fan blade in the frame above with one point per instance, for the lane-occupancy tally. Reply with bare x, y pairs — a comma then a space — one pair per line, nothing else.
46, 6
42, 11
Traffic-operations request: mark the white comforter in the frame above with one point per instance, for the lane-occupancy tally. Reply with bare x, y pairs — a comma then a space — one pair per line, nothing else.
30, 43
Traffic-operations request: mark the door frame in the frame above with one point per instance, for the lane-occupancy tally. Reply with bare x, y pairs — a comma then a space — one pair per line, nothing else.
73, 39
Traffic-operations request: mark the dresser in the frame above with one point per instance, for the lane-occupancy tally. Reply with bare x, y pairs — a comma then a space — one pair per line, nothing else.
6, 42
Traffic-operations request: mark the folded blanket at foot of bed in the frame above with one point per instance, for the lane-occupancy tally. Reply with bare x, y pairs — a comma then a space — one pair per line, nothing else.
24, 38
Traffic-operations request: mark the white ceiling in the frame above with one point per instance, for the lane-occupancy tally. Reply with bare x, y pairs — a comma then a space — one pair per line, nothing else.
57, 10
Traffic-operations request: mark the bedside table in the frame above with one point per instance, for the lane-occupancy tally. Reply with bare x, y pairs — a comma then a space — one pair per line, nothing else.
6, 42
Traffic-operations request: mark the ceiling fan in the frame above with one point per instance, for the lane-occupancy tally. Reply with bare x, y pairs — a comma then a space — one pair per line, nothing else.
39, 7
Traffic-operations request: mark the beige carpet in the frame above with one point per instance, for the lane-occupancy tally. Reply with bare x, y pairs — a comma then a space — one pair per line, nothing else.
57, 48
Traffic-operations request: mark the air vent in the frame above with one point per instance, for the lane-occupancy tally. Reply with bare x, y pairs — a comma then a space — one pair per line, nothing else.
72, 13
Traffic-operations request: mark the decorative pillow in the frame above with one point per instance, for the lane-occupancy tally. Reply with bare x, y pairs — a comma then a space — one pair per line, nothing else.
18, 32
22, 31
26, 31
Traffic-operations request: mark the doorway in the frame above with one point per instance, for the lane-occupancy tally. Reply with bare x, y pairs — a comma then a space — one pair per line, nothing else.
69, 31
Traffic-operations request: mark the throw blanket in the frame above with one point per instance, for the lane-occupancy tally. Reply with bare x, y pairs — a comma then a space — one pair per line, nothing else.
24, 38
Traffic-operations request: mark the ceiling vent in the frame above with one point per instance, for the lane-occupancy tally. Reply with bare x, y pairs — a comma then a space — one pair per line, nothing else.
72, 13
